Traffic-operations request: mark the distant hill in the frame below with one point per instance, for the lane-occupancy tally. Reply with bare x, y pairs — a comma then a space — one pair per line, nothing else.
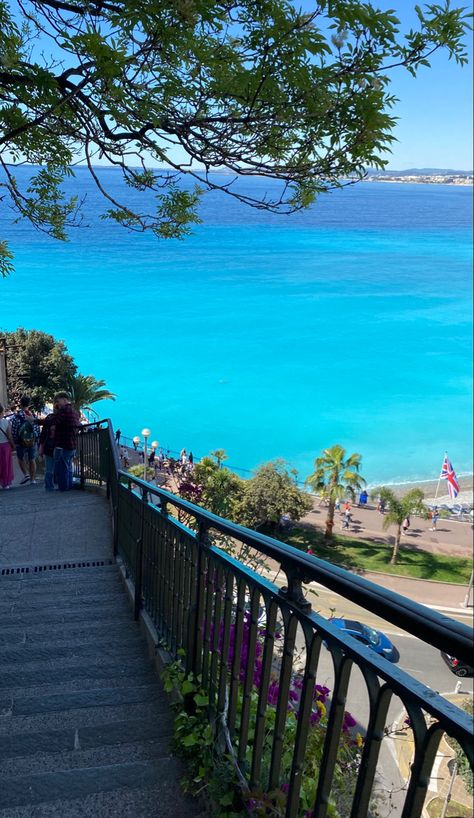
419, 172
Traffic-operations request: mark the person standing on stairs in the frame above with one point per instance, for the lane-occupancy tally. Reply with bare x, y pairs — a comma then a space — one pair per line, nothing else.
7, 446
25, 433
65, 439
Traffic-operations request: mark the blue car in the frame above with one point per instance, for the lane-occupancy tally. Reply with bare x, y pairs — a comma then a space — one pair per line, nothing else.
370, 637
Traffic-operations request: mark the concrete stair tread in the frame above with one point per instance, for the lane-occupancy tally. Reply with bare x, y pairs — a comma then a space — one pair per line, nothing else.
38, 688
56, 616
56, 653
84, 738
128, 637
12, 634
24, 705
9, 574
164, 800
66, 784
99, 667
76, 759
86, 717
19, 606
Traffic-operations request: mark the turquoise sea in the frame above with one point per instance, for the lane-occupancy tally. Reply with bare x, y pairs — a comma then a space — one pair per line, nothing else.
267, 335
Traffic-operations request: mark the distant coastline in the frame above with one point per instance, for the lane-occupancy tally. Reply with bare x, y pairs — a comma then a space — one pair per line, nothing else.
418, 179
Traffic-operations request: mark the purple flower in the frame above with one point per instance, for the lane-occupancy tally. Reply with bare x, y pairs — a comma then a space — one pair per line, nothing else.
349, 721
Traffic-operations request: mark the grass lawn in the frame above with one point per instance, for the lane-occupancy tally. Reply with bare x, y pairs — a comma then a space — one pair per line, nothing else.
435, 809
371, 556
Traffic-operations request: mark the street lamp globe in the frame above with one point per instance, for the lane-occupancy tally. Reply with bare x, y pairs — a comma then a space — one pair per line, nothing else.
146, 432
136, 440
155, 444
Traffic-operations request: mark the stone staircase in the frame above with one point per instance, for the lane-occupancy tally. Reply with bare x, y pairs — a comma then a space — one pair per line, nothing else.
85, 725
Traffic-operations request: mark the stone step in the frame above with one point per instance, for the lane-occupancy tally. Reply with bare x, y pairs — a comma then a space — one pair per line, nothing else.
73, 664
33, 684
71, 614
40, 788
50, 603
15, 590
162, 800
79, 634
24, 705
115, 644
84, 717
58, 574
84, 738
77, 759
37, 632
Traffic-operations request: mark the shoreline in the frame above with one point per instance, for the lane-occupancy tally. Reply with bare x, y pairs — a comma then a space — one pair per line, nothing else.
428, 487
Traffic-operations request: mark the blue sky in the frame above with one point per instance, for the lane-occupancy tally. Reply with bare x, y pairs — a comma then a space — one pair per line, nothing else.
434, 110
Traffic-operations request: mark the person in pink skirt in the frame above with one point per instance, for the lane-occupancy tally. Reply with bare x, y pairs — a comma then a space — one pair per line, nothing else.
7, 446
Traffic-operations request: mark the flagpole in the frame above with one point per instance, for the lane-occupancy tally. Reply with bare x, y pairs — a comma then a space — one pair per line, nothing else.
439, 480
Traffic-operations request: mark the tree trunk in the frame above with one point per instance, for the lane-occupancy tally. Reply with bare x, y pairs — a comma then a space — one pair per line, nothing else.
330, 520
396, 547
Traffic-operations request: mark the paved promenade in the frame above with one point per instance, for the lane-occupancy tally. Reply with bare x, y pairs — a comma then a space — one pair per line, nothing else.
451, 537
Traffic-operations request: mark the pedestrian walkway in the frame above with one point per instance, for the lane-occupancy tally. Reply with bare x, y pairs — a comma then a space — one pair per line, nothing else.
84, 724
451, 537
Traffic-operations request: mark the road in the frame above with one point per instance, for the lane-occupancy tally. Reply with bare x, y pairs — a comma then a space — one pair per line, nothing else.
418, 659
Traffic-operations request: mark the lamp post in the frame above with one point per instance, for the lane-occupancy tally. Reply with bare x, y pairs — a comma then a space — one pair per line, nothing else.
146, 434
469, 589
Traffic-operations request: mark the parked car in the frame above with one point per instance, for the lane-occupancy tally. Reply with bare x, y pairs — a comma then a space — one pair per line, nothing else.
456, 666
376, 640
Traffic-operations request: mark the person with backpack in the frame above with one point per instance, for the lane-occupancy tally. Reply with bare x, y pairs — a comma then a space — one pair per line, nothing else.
25, 432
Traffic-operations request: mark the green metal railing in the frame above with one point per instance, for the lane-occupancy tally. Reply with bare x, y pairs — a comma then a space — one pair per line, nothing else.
258, 649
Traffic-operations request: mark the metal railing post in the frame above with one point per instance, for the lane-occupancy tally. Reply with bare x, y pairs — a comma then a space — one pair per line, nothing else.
196, 612
139, 559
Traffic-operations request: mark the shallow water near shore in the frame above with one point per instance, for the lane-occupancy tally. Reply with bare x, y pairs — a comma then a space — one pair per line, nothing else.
272, 336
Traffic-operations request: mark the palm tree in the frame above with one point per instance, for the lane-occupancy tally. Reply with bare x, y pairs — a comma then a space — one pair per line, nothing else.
220, 456
85, 390
398, 508
336, 476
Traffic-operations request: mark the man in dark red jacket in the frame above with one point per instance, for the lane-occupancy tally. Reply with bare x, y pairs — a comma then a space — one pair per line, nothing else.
65, 439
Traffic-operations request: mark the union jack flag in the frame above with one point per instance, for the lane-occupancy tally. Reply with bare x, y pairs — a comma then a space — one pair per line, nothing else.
448, 473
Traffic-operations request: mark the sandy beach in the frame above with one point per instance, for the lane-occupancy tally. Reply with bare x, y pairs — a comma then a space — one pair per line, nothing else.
429, 487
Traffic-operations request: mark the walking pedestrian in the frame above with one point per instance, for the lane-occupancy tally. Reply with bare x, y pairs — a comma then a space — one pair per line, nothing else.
347, 518
117, 436
434, 518
7, 447
406, 524
25, 433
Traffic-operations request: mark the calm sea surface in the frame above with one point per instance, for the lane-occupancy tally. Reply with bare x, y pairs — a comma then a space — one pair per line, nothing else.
272, 336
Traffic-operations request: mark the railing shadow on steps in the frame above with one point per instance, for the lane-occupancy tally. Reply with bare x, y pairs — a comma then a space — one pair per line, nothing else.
253, 644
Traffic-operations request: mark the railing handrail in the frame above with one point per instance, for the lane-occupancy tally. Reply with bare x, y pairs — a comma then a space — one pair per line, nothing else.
435, 628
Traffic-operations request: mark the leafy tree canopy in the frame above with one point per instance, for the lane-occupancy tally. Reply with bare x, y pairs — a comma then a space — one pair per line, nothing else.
399, 508
336, 476
213, 487
254, 89
37, 365
270, 494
